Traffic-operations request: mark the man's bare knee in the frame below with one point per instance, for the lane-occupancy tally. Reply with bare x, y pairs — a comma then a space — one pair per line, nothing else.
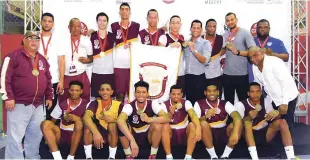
46, 125
283, 124
78, 125
112, 128
204, 125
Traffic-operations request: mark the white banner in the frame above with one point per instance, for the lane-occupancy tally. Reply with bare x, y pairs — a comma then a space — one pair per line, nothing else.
156, 65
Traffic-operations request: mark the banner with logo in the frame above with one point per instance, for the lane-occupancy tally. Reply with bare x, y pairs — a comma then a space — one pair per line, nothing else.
156, 65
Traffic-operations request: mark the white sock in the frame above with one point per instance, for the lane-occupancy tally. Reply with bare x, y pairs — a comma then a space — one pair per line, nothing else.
70, 157
154, 151
127, 151
211, 152
88, 151
289, 150
112, 152
253, 152
227, 152
57, 155
188, 156
169, 156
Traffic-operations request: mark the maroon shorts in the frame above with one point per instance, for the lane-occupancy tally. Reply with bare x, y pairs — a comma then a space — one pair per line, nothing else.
104, 133
141, 138
219, 136
178, 137
86, 86
98, 79
260, 135
122, 80
65, 137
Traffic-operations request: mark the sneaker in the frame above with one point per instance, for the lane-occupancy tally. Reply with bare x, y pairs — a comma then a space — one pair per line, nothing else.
129, 157
152, 157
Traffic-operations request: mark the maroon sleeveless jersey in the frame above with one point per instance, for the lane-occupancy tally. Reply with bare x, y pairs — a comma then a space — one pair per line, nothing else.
219, 120
258, 122
180, 115
134, 119
147, 38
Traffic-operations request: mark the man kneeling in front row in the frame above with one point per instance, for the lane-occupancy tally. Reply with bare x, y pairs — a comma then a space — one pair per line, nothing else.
145, 126
70, 131
262, 122
213, 114
100, 122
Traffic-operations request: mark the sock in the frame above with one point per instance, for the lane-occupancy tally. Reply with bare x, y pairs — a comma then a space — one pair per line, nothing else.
88, 151
169, 156
112, 152
154, 151
70, 157
57, 155
253, 153
188, 156
289, 150
127, 151
227, 152
212, 153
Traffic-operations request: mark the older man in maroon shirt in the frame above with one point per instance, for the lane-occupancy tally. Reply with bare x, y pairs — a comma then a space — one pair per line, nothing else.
25, 84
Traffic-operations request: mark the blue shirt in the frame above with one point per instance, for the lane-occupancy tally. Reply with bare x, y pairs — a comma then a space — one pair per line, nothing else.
192, 64
276, 45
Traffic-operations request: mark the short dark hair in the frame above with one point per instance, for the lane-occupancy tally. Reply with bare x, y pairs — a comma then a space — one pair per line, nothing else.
142, 84
175, 16
107, 84
262, 21
78, 83
210, 20
196, 21
253, 84
231, 13
212, 84
151, 10
102, 14
176, 87
48, 15
124, 4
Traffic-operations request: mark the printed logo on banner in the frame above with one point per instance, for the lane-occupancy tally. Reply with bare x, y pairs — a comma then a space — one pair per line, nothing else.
254, 29
156, 75
273, 1
84, 29
168, 1
119, 2
251, 1
213, 1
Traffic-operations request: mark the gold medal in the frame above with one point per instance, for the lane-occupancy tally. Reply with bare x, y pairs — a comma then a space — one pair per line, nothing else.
139, 111
35, 72
46, 57
184, 44
258, 107
228, 43
101, 54
217, 110
179, 105
102, 113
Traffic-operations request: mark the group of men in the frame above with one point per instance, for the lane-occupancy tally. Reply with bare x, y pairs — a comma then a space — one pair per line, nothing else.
89, 115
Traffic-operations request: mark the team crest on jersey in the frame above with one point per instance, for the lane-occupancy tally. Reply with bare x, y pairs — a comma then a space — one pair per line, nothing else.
96, 44
118, 34
156, 75
147, 39
41, 66
135, 119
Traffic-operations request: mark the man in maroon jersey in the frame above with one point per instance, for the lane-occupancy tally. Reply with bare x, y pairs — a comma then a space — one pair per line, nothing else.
103, 70
125, 32
180, 131
150, 35
174, 39
262, 122
70, 130
213, 114
140, 114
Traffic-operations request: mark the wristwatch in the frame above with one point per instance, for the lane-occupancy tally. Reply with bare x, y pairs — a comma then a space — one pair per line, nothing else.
238, 53
195, 51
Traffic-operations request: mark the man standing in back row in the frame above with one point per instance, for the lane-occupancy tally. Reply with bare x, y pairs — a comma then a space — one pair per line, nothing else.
125, 32
237, 42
